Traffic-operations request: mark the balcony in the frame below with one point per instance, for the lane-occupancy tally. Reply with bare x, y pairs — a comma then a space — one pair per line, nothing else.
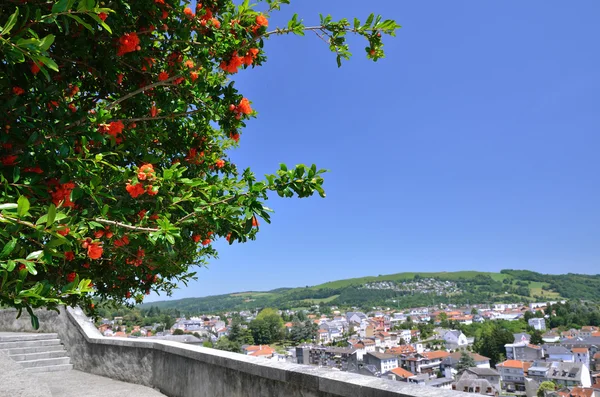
179, 370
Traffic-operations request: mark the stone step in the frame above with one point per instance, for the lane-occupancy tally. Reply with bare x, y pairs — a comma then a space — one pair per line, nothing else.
32, 349
29, 343
23, 336
45, 362
51, 368
37, 356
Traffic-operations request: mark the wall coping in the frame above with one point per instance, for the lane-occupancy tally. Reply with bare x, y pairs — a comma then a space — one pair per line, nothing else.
313, 378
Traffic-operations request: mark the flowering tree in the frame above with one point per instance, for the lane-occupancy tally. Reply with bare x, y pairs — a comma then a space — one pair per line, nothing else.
116, 121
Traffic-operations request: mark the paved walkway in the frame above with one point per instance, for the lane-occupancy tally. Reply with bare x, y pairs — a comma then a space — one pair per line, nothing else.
81, 384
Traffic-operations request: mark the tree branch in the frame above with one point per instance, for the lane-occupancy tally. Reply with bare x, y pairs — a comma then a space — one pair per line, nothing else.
126, 226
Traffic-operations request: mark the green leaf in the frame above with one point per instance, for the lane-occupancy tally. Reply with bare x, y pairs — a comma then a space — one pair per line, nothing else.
60, 6
101, 22
22, 206
46, 42
51, 215
16, 174
30, 266
11, 22
8, 206
48, 62
8, 248
170, 238
35, 323
34, 255
56, 242
81, 22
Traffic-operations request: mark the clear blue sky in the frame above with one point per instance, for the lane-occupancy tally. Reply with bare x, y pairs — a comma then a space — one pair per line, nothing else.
472, 146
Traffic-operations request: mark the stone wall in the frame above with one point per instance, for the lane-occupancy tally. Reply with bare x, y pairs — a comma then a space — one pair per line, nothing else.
179, 370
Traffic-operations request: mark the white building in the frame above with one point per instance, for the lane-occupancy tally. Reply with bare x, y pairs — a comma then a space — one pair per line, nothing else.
538, 323
455, 339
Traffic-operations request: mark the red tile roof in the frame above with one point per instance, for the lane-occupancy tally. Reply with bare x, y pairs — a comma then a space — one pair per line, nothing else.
401, 372
512, 364
580, 350
436, 354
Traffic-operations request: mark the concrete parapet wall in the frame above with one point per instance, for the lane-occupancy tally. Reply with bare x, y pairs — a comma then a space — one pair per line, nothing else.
179, 370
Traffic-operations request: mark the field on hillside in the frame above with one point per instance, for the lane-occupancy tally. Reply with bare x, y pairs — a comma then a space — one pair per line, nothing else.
508, 286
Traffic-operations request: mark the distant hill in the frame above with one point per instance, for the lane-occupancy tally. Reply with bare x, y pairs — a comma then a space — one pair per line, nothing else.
403, 290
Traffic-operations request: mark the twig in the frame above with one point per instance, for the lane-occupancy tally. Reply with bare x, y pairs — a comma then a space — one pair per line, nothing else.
126, 226
172, 116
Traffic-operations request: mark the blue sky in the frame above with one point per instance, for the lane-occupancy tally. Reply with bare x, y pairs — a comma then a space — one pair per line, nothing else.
472, 145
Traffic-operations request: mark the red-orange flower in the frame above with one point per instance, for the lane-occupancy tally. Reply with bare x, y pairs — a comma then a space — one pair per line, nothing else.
18, 90
233, 64
145, 171
188, 11
94, 251
62, 193
153, 111
206, 241
128, 43
220, 163
135, 190
63, 231
216, 23
162, 76
35, 67
72, 107
71, 277
120, 78
189, 63
98, 233
196, 238
150, 190
261, 20
194, 76
69, 255
102, 16
9, 160
254, 222
244, 106
122, 241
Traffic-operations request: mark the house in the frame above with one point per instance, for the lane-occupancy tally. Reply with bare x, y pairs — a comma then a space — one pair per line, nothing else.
537, 323
521, 337
382, 361
332, 357
559, 353
581, 355
470, 382
455, 339
563, 373
453, 359
426, 380
356, 317
265, 352
401, 350
400, 374
579, 392
512, 374
596, 362
587, 331
523, 351
551, 337
426, 362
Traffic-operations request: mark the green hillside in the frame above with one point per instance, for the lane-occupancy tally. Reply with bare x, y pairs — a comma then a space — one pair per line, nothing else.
404, 290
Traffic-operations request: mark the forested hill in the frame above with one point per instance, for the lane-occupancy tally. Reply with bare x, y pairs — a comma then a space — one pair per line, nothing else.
403, 290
